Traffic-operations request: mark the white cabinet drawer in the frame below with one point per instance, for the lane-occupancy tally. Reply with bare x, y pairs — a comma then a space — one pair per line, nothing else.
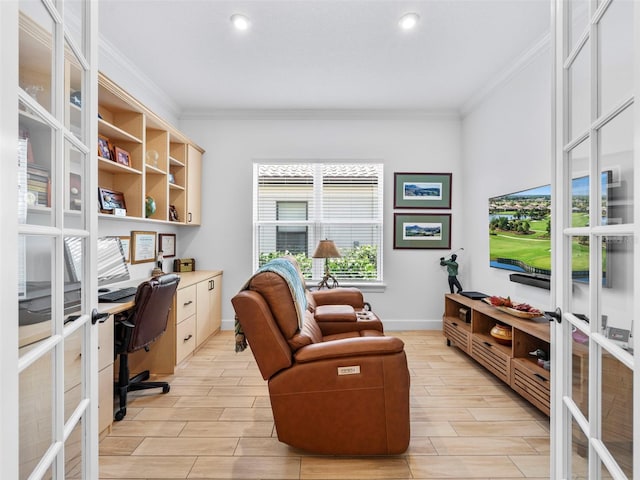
185, 303
185, 338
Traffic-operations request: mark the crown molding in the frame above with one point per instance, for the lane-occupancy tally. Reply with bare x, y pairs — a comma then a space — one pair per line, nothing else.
320, 114
142, 85
505, 75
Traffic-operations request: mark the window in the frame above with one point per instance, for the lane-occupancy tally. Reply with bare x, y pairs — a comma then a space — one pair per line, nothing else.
297, 205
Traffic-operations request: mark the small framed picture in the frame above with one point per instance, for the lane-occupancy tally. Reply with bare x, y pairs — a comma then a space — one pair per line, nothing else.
104, 147
125, 241
122, 156
143, 247
167, 242
110, 200
422, 190
422, 231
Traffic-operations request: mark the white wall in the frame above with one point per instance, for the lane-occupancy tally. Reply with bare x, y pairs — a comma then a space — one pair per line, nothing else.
415, 283
506, 148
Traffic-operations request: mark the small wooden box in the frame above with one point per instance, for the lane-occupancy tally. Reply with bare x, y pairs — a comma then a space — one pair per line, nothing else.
184, 265
464, 314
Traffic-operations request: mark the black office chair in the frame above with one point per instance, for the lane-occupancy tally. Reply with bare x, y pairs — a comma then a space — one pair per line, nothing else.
138, 328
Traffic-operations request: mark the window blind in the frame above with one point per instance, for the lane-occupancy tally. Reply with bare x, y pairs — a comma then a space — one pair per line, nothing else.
296, 203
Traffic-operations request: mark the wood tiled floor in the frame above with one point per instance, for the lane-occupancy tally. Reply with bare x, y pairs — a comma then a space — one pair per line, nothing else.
216, 423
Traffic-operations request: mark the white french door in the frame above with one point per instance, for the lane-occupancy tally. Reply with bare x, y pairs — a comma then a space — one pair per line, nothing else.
49, 131
596, 279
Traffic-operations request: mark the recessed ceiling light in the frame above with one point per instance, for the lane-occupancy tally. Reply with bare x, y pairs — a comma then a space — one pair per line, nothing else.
409, 20
240, 21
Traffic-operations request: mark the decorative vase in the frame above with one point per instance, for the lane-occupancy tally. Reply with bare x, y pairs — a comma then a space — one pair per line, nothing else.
502, 334
149, 206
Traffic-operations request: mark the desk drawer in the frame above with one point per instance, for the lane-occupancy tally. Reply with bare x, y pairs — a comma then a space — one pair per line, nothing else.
185, 303
185, 338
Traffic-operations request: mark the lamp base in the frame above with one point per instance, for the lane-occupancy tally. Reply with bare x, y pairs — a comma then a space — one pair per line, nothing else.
328, 281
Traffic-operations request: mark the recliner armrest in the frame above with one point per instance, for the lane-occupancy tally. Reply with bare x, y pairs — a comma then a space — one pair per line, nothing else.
349, 347
339, 296
335, 313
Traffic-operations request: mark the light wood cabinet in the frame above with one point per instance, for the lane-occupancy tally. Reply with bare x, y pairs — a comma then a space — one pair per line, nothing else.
185, 322
146, 159
467, 324
194, 192
208, 318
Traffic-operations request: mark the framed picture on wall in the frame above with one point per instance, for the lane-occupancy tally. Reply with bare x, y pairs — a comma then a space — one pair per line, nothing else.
167, 243
422, 231
143, 247
422, 190
125, 241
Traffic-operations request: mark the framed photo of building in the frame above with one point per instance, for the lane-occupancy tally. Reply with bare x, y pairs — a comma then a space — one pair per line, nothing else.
422, 190
422, 231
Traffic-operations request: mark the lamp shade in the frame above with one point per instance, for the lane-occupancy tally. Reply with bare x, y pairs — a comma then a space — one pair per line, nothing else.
326, 249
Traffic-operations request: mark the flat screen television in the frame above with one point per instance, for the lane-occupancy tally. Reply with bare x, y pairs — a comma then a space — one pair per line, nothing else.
520, 232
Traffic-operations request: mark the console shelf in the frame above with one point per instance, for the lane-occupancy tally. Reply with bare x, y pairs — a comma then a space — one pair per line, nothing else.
467, 324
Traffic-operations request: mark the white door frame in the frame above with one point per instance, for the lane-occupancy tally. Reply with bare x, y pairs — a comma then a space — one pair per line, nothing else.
86, 411
563, 410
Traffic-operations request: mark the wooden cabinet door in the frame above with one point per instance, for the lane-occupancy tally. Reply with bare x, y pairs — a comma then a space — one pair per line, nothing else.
194, 186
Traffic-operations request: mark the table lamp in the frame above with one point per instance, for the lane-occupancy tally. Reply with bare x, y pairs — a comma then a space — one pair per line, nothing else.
327, 249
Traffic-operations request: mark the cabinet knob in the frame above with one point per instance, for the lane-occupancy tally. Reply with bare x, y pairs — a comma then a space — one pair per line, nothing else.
189, 216
187, 303
188, 337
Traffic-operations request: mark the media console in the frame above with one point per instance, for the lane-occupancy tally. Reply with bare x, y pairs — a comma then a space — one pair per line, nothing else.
469, 330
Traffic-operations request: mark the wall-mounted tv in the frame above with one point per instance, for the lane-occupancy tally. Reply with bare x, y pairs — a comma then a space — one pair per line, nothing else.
520, 232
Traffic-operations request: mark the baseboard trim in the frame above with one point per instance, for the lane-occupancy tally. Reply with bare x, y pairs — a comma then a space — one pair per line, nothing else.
389, 325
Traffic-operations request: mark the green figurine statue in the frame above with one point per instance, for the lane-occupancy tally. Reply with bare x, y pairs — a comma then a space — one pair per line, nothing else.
452, 270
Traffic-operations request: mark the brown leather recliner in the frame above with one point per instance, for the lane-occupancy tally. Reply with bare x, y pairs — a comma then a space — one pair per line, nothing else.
344, 392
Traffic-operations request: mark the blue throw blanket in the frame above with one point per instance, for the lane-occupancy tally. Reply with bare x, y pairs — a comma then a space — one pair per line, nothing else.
290, 273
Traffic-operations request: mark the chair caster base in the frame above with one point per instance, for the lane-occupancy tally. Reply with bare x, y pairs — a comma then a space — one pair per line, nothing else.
120, 414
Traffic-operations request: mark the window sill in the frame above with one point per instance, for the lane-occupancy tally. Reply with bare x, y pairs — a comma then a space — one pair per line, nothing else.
374, 287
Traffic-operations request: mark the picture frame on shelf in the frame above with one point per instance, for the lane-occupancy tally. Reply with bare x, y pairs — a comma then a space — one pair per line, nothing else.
104, 148
126, 247
167, 242
143, 246
422, 231
422, 190
122, 157
110, 200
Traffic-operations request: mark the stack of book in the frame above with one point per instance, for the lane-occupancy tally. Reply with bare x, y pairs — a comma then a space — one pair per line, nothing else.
39, 184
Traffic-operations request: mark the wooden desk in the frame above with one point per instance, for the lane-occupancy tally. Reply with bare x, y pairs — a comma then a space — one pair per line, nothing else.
195, 316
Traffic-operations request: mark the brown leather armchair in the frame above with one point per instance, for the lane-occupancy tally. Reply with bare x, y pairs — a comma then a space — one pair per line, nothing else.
344, 393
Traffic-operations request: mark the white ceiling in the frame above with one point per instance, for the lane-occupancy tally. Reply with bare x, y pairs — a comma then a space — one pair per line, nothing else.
322, 54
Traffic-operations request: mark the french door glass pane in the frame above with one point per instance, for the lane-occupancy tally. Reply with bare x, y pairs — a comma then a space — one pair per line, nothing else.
580, 370
73, 459
74, 76
579, 169
35, 47
35, 414
616, 163
615, 55
72, 372
35, 267
579, 97
75, 187
578, 14
617, 411
617, 292
579, 453
35, 150
73, 24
